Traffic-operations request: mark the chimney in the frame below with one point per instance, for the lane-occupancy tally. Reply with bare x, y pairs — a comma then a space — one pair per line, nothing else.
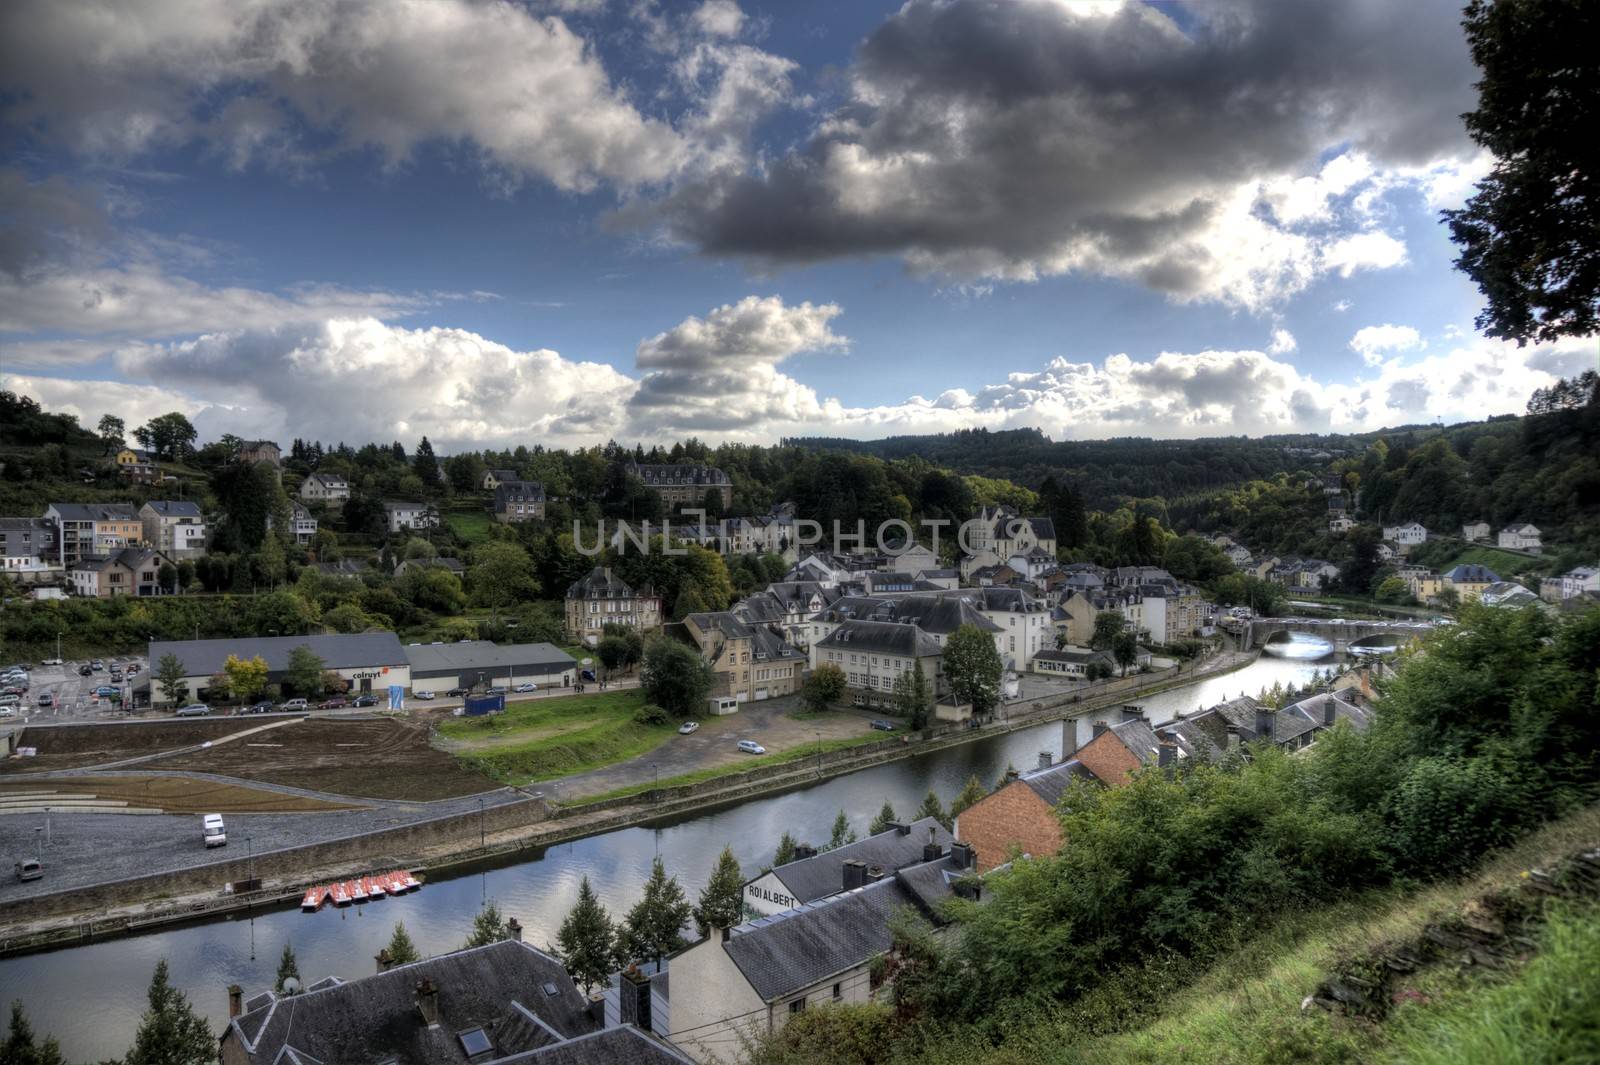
873, 874
962, 854
1046, 759
514, 929
1329, 708
235, 1000
855, 873
1100, 728
384, 959
804, 850
726, 934
1166, 754
634, 989
1265, 719
427, 1000
931, 849
1233, 737
900, 827
1069, 738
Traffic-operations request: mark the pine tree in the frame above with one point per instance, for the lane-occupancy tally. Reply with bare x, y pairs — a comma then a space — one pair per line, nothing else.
885, 818
932, 807
588, 940
842, 832
722, 900
425, 465
18, 1047
654, 927
971, 793
488, 927
402, 951
170, 1033
786, 846
287, 967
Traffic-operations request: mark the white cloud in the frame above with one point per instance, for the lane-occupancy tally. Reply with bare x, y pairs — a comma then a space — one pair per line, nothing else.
1375, 342
720, 18
1283, 342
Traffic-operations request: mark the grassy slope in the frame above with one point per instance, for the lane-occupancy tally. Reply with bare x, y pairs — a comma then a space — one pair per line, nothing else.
471, 525
762, 761
1246, 1009
545, 738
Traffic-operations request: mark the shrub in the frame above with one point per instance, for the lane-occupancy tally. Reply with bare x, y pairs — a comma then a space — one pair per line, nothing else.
651, 714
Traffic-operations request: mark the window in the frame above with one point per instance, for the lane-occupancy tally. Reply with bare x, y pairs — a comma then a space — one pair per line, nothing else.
797, 1006
838, 992
475, 1041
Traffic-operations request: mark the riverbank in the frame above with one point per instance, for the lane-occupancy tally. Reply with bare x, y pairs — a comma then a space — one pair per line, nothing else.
504, 834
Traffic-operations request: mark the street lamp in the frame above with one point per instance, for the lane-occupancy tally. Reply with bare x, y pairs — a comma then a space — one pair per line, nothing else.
483, 835
250, 856
656, 769
38, 843
818, 734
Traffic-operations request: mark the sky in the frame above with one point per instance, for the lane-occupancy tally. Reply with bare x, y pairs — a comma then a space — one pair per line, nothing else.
563, 222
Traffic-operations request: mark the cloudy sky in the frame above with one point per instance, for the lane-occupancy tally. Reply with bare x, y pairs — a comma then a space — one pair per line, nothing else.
573, 220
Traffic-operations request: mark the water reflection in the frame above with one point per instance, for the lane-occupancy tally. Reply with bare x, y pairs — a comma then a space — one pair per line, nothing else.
91, 996
1299, 645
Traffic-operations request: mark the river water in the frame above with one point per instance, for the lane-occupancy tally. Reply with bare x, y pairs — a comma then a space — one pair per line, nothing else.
91, 997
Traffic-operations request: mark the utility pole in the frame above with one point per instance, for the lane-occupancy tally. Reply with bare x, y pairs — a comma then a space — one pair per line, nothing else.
483, 834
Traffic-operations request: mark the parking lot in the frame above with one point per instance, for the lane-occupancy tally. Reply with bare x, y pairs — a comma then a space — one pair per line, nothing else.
72, 696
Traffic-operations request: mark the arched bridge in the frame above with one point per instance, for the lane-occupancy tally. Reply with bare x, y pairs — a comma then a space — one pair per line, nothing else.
1339, 632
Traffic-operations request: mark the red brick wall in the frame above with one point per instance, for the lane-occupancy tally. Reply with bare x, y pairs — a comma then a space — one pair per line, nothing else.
1014, 816
1107, 758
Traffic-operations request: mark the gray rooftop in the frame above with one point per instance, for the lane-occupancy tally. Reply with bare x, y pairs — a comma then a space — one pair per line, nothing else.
822, 875
625, 1045
174, 508
481, 654
882, 637
95, 511
205, 657
798, 948
1051, 783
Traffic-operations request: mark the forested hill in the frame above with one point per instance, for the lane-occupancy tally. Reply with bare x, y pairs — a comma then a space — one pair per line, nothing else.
1106, 471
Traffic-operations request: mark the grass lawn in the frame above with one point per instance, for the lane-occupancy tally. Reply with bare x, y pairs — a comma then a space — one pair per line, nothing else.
471, 525
762, 761
544, 738
1503, 563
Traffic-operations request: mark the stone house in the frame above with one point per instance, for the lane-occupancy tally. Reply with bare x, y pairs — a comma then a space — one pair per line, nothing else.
873, 654
128, 571
493, 479
601, 599
750, 662
518, 501
259, 451
684, 484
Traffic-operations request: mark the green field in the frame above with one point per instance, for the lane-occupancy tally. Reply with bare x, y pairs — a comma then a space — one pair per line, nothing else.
763, 761
1504, 563
541, 739
472, 526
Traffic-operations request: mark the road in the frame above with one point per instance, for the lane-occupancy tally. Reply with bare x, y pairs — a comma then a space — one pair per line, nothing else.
73, 697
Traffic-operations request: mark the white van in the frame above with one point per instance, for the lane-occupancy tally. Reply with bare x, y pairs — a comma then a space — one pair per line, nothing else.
211, 828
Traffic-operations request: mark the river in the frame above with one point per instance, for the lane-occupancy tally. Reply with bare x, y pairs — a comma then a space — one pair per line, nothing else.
91, 997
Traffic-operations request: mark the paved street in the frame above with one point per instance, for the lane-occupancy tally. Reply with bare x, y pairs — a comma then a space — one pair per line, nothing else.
73, 697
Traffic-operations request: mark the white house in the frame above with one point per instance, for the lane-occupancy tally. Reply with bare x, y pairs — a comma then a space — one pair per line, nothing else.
812, 876
1520, 537
1408, 535
1238, 554
1474, 531
325, 488
1570, 584
410, 516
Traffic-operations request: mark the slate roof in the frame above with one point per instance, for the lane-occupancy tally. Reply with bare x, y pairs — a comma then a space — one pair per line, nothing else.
174, 508
1043, 528
503, 475
1314, 710
95, 511
1052, 782
1082, 657
466, 655
1470, 573
517, 492
882, 637
822, 875
680, 474
1138, 737
942, 611
131, 557
375, 1020
625, 1045
339, 651
600, 583
345, 567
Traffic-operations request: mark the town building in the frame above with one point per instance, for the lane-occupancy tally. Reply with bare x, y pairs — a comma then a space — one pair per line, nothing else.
1406, 536
28, 550
1520, 537
602, 599
330, 488
402, 516
1469, 580
493, 479
1019, 817
998, 534
253, 451
518, 501
136, 466
475, 663
1074, 663
816, 875
684, 484
491, 1005
749, 662
365, 661
746, 982
304, 522
1570, 585
873, 654
174, 527
1475, 531
93, 529
126, 571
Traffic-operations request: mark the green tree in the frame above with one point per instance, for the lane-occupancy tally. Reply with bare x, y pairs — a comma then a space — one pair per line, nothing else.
654, 927
288, 966
885, 818
489, 926
689, 601
170, 1032
842, 832
170, 436
402, 951
425, 464
304, 673
722, 899
501, 575
932, 807
167, 576
612, 652
247, 677
972, 668
272, 566
1108, 625
113, 430
970, 793
823, 687
588, 940
785, 852
19, 1048
171, 674
1530, 235
1392, 590
1125, 649
675, 677
912, 695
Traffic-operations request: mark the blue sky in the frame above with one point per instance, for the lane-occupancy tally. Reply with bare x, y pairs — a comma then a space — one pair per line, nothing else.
577, 220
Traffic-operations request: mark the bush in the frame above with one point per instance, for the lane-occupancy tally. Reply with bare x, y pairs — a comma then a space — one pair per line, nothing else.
1448, 811
651, 714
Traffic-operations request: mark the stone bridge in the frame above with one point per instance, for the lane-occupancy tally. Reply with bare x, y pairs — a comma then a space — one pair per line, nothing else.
1338, 632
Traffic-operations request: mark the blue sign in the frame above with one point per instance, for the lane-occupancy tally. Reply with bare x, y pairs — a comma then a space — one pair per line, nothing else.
397, 697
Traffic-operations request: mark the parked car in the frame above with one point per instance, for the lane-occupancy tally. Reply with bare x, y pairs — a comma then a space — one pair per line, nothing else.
105, 689
751, 747
85, 670
213, 831
881, 725
523, 689
14, 689
10, 700
50, 661
7, 710
364, 700
97, 666
336, 703
688, 728
194, 710
495, 691
295, 704
424, 694
29, 869
457, 693
134, 667
588, 675
46, 699
263, 707
116, 674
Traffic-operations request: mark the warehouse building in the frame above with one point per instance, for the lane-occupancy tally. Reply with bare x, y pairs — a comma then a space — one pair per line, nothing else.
367, 661
471, 663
